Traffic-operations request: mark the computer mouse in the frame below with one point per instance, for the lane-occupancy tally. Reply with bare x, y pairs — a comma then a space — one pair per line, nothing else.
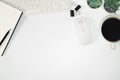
86, 30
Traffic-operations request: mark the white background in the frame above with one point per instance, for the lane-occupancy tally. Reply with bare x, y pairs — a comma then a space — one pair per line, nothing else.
46, 47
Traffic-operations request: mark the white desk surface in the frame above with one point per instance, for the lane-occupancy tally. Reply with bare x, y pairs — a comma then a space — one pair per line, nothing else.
46, 47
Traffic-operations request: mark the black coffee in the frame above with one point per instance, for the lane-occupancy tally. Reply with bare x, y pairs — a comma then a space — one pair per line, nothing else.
111, 29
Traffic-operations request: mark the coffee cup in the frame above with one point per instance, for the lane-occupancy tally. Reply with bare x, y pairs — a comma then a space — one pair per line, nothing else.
110, 29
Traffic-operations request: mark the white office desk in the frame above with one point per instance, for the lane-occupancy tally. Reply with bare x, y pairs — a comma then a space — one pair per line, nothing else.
46, 47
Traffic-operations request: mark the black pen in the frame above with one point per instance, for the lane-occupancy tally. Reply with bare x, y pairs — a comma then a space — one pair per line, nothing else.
3, 39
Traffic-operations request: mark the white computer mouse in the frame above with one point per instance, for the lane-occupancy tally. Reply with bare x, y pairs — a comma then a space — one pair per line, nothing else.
86, 30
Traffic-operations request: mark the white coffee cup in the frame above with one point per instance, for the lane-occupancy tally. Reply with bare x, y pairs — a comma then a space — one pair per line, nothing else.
114, 43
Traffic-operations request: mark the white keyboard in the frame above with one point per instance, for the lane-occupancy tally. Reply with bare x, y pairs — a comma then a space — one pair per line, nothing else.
39, 5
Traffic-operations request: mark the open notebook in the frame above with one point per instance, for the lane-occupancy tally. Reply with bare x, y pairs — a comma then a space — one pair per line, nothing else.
9, 18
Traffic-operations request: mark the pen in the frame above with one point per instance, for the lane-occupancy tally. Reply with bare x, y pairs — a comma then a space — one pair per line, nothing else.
3, 39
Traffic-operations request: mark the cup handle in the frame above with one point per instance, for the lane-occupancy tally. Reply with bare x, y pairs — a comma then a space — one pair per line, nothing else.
113, 46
